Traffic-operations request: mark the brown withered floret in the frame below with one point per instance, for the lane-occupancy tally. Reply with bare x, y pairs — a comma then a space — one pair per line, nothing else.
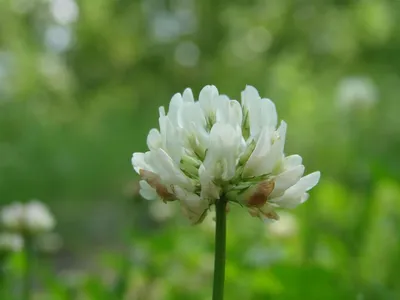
260, 196
257, 212
271, 215
154, 181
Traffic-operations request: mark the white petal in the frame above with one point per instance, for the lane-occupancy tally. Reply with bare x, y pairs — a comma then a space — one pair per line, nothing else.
282, 133
188, 95
223, 137
174, 105
161, 111
258, 155
207, 99
276, 153
154, 140
252, 104
170, 139
191, 113
173, 143
304, 198
305, 184
193, 123
250, 93
208, 188
296, 194
229, 111
146, 191
286, 179
287, 201
261, 112
168, 171
292, 161
193, 206
189, 198
266, 156
223, 152
268, 116
139, 162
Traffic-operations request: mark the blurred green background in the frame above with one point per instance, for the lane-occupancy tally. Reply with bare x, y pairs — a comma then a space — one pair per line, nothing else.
80, 84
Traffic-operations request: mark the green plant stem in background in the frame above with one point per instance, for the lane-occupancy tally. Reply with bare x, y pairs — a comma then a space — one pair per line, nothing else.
29, 263
2, 271
220, 249
2, 260
122, 282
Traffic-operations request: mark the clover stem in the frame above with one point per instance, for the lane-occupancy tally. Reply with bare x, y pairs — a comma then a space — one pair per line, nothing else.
220, 250
28, 274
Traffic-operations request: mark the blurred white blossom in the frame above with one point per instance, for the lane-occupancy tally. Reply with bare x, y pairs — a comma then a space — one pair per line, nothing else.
58, 38
7, 65
258, 255
73, 278
286, 227
258, 39
22, 6
217, 147
208, 224
187, 54
356, 92
11, 242
32, 217
161, 212
64, 11
165, 27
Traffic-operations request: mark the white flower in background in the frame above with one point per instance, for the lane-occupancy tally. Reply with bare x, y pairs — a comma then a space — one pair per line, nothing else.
356, 92
287, 226
32, 217
217, 147
64, 11
208, 225
11, 242
161, 212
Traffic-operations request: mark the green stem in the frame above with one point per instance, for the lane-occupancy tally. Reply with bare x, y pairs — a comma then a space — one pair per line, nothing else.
2, 272
29, 262
220, 249
121, 284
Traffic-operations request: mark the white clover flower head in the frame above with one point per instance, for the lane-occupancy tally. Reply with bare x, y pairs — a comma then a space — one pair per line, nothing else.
38, 217
353, 92
217, 147
32, 217
161, 212
285, 228
11, 242
11, 216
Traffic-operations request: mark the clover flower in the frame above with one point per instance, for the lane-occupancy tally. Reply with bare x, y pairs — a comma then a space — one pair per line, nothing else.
32, 217
287, 226
217, 147
10, 242
357, 92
